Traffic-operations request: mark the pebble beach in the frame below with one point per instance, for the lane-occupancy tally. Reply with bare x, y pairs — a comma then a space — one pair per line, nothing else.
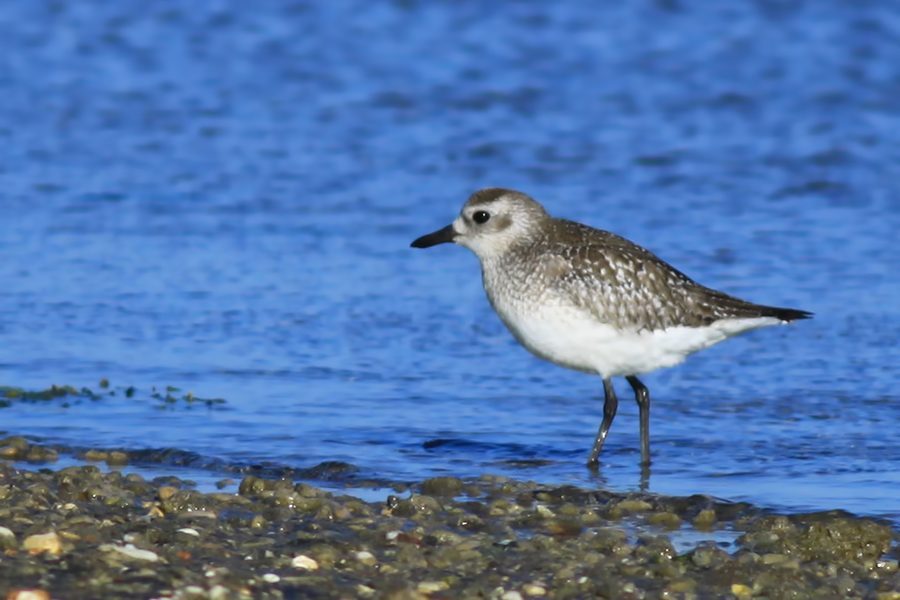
79, 533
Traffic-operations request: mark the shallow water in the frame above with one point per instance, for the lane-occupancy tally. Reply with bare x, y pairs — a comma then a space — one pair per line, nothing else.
221, 199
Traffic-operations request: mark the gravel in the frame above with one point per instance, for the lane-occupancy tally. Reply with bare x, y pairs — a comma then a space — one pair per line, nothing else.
80, 533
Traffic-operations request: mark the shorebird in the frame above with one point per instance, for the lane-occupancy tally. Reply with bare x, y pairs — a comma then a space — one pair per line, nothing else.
592, 301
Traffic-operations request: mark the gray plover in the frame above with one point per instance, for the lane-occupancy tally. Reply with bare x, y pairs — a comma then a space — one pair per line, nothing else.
592, 301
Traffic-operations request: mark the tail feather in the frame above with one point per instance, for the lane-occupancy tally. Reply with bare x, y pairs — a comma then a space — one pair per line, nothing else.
712, 305
785, 314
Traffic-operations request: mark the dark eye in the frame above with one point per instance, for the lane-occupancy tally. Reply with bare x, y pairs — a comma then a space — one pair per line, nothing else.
481, 216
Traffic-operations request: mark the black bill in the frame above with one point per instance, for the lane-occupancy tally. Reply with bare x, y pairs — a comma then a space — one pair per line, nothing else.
441, 236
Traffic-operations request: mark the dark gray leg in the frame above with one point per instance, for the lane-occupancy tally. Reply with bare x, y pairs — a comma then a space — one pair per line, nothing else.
642, 395
609, 413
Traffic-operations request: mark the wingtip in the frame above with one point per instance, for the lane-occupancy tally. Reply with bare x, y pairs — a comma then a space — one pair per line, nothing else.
789, 315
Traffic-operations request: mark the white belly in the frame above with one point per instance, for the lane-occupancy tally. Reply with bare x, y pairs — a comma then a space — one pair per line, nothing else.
572, 338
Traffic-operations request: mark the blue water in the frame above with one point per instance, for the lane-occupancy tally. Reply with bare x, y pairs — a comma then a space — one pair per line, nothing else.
221, 198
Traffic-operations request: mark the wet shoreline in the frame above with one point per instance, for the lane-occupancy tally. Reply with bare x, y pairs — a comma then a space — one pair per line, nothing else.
77, 532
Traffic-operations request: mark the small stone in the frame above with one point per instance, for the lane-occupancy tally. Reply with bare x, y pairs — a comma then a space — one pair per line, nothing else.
774, 559
705, 519
41, 454
117, 459
511, 595
10, 452
27, 595
197, 514
886, 565
301, 561
403, 594
95, 455
166, 492
706, 556
665, 519
194, 591
219, 592
131, 551
258, 522
251, 485
430, 587
45, 542
189, 531
634, 506
532, 589
416, 504
271, 578
443, 487
682, 586
494, 479
366, 558
564, 526
740, 590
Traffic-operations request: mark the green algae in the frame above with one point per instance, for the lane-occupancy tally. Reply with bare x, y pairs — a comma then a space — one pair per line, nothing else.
166, 397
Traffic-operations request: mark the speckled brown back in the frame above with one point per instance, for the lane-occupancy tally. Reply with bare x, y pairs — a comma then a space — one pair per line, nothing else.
625, 285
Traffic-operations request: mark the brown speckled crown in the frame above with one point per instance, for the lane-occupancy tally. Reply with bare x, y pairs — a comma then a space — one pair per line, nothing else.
488, 195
